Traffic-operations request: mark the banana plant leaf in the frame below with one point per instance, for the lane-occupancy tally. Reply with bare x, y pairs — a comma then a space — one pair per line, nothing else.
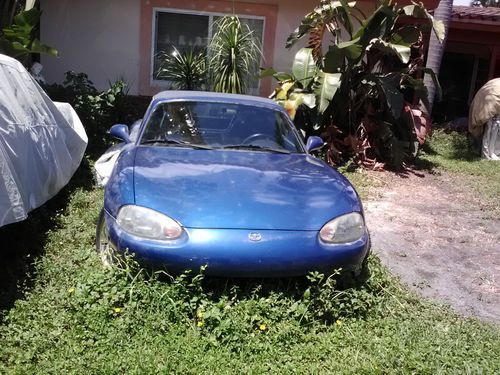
399, 51
418, 11
282, 90
406, 35
39, 47
379, 25
393, 96
328, 84
322, 14
304, 67
279, 76
337, 54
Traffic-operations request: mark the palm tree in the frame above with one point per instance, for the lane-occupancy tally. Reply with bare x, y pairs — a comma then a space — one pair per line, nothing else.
436, 48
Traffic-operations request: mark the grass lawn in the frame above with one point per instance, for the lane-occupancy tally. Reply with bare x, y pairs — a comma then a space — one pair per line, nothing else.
72, 315
456, 154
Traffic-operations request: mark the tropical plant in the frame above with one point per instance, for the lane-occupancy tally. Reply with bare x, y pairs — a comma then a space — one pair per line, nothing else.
185, 70
9, 8
18, 34
360, 95
97, 110
234, 55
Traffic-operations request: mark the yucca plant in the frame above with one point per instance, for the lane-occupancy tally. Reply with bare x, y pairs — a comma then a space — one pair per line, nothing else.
234, 54
186, 70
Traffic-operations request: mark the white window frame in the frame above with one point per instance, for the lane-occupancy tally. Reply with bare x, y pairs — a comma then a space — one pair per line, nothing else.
164, 83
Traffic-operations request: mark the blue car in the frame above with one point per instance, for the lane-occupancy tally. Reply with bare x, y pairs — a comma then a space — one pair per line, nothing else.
226, 181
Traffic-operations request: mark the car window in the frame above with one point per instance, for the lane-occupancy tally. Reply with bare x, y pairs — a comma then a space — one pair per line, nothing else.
220, 125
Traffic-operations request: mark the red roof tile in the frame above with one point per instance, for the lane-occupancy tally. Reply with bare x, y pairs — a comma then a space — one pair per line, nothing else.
463, 13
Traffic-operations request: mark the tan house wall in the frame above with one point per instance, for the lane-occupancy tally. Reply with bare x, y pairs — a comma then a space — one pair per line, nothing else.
111, 39
100, 38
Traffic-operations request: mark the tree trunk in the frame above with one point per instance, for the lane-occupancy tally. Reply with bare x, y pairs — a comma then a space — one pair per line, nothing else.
436, 48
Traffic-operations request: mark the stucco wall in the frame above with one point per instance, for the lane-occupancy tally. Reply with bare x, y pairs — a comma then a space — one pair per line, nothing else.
97, 37
102, 37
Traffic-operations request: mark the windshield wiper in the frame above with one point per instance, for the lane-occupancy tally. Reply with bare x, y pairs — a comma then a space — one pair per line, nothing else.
177, 142
255, 147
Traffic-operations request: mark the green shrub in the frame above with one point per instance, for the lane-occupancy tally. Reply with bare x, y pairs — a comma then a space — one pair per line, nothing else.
98, 111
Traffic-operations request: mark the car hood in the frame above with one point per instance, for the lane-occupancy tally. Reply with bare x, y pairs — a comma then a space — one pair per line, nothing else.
241, 190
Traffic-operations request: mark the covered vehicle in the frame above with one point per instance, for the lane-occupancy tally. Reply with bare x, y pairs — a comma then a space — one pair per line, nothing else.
225, 181
41, 143
484, 119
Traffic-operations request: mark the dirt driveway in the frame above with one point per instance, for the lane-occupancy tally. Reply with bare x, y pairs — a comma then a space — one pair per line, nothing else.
440, 239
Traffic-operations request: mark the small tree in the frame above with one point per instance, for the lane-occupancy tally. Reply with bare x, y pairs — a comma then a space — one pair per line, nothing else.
359, 95
234, 56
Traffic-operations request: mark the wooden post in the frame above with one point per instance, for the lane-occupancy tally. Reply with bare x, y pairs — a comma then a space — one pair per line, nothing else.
493, 61
473, 81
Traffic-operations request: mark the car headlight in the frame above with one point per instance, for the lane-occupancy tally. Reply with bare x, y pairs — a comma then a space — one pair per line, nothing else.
146, 223
346, 228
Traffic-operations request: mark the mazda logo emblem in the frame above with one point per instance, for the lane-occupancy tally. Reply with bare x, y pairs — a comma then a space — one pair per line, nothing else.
255, 237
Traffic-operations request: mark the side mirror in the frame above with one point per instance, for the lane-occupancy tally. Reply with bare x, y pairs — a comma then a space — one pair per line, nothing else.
120, 131
314, 143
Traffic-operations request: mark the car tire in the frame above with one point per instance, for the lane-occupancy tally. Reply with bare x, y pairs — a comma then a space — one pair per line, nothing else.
358, 275
362, 274
102, 243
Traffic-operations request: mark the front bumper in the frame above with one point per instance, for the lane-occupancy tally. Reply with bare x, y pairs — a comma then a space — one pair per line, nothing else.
230, 252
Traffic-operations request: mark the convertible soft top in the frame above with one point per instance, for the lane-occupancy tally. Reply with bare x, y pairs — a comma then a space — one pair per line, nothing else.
41, 143
216, 97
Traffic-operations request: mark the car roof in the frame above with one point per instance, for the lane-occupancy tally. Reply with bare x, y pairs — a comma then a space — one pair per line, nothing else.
215, 96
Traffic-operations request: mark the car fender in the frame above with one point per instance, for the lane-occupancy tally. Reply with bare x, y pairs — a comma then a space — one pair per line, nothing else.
120, 188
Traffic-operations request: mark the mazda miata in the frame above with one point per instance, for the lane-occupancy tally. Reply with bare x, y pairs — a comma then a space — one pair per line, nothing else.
225, 181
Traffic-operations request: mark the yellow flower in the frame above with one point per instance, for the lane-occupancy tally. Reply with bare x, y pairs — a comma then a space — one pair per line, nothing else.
200, 324
262, 327
338, 322
71, 290
117, 310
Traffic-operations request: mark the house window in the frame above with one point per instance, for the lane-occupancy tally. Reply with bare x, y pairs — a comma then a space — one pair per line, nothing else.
192, 30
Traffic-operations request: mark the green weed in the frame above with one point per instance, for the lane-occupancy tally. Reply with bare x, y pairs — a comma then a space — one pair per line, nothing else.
76, 316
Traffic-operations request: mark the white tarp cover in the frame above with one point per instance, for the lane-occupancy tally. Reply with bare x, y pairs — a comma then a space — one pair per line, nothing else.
491, 139
41, 143
484, 118
104, 165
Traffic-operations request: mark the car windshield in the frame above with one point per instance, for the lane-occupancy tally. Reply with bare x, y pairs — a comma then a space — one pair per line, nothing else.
215, 125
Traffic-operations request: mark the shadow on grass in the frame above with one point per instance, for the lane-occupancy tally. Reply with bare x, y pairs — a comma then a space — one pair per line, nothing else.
453, 145
422, 164
23, 242
447, 146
